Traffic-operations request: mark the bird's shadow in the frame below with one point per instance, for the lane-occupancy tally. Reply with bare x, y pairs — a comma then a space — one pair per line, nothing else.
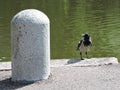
72, 61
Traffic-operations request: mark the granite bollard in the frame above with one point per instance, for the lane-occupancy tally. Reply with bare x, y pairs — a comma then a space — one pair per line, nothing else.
30, 43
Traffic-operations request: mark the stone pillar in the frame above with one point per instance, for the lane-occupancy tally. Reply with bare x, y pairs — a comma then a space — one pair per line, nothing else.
30, 43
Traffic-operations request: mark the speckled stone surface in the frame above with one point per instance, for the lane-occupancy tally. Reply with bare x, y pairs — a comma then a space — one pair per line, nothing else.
72, 62
70, 74
30, 41
105, 77
84, 63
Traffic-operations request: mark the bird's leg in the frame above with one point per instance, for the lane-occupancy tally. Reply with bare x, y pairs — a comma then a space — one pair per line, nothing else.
86, 54
81, 56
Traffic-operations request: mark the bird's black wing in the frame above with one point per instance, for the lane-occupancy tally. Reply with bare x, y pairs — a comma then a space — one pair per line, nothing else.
79, 44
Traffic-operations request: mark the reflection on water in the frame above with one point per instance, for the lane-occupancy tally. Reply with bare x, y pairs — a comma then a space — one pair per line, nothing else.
69, 20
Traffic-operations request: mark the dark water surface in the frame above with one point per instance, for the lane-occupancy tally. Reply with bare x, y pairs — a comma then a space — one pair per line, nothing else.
69, 20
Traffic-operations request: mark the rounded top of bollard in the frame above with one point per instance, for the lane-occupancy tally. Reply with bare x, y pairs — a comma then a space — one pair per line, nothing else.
30, 16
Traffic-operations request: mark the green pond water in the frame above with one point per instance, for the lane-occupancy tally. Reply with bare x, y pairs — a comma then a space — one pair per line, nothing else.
69, 19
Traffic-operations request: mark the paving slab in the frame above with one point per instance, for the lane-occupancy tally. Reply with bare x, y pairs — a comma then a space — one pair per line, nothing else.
72, 62
84, 63
105, 77
71, 75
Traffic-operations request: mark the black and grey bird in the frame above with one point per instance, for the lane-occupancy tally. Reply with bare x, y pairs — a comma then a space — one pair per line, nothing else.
84, 45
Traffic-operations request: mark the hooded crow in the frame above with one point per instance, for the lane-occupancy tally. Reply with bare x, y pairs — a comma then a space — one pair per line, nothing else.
84, 45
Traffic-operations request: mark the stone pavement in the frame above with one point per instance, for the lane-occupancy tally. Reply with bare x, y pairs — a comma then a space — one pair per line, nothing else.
72, 62
89, 74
